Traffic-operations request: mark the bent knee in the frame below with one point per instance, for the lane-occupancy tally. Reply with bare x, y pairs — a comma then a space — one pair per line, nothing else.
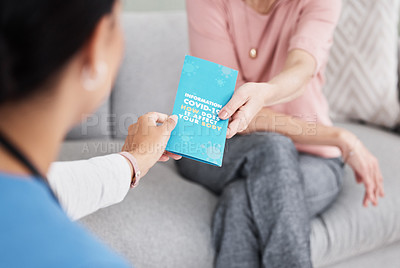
274, 145
190, 169
235, 192
272, 138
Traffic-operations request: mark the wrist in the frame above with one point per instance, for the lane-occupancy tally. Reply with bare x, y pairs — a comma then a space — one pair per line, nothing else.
135, 170
268, 90
346, 141
142, 160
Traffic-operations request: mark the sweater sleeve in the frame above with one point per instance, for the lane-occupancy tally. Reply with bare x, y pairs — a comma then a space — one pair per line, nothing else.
315, 29
85, 186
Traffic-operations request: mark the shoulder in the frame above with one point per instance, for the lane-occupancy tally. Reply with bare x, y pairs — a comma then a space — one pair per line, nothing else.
37, 227
207, 16
327, 10
334, 6
206, 2
205, 5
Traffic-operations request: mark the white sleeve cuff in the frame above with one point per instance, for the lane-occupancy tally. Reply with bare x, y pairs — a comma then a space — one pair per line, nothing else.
85, 186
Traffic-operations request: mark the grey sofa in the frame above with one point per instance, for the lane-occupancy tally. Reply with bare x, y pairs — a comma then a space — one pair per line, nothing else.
165, 222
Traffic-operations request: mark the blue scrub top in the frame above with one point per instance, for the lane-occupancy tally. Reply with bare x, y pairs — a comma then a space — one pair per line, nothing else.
35, 231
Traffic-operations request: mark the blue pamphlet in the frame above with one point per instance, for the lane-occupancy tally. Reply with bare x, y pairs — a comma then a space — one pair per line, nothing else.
204, 88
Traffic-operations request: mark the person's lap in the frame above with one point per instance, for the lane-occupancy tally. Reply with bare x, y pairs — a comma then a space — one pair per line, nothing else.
268, 192
322, 178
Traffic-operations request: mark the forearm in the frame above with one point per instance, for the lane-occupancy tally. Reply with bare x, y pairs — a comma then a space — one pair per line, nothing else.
300, 131
83, 187
290, 83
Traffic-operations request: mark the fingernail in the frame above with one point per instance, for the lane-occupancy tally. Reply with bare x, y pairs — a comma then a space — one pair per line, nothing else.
174, 117
223, 115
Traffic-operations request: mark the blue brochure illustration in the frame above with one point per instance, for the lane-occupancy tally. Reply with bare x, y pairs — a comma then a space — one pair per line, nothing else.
204, 88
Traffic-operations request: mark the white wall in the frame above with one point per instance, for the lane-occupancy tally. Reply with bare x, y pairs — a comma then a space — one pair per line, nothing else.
151, 5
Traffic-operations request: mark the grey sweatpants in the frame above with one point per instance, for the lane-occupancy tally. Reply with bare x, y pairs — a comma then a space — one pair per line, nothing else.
268, 195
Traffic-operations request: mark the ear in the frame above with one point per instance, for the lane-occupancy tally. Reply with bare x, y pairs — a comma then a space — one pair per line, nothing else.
95, 52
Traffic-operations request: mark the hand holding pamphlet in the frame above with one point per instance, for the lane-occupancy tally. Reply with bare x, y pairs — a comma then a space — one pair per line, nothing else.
204, 88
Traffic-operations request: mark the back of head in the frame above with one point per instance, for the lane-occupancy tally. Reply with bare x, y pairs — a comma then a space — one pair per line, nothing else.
38, 37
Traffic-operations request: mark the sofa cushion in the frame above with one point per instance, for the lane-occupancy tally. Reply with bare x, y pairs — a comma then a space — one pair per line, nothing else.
347, 229
385, 257
166, 221
156, 44
95, 126
362, 69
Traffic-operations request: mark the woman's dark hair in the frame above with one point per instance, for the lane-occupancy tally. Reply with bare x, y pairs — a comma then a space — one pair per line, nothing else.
38, 37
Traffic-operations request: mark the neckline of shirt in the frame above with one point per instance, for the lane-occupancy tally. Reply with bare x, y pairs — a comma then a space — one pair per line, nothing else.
16, 176
260, 15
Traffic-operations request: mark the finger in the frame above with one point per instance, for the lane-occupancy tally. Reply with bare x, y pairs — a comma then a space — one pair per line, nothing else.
372, 198
132, 129
370, 185
369, 194
163, 158
155, 117
378, 185
237, 101
238, 124
376, 196
374, 190
172, 155
380, 190
244, 132
170, 124
380, 181
381, 186
369, 182
365, 200
358, 179
233, 128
